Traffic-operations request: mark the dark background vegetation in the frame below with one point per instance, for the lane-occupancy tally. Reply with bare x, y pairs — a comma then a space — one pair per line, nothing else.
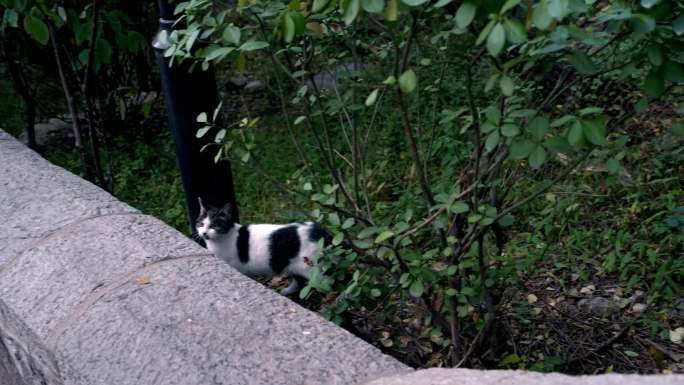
586, 279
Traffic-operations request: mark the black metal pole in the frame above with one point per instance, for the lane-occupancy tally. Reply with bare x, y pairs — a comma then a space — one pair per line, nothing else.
187, 94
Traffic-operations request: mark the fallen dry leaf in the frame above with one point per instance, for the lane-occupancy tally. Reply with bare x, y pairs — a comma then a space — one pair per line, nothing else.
142, 280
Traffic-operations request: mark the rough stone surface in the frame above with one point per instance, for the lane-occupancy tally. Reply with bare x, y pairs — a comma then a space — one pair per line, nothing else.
204, 323
10, 248
54, 133
23, 358
516, 377
598, 306
37, 197
45, 283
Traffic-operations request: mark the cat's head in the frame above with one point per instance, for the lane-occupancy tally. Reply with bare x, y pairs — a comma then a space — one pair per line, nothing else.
214, 222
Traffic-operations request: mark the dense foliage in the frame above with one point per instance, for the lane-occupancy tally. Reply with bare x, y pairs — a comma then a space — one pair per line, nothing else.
489, 169
443, 121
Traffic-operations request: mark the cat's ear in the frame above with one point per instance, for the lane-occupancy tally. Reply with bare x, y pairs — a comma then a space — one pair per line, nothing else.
203, 211
227, 210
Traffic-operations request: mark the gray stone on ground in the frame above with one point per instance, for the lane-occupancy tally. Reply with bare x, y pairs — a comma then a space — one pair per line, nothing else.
440, 376
598, 306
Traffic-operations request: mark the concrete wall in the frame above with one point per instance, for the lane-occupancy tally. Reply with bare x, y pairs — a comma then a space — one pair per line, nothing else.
94, 292
98, 293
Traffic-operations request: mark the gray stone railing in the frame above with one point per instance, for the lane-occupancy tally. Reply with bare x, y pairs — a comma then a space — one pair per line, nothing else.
94, 292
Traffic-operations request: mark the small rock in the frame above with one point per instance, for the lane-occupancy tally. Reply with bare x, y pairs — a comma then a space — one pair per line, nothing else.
639, 307
588, 289
238, 81
254, 86
599, 306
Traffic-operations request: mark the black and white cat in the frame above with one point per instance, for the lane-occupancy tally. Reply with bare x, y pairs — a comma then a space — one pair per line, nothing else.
262, 249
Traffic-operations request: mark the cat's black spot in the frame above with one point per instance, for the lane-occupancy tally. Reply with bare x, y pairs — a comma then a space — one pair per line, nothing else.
284, 245
243, 244
317, 232
219, 221
301, 281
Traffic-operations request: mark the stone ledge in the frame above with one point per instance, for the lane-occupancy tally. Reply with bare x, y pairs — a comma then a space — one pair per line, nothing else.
24, 360
439, 376
110, 291
209, 324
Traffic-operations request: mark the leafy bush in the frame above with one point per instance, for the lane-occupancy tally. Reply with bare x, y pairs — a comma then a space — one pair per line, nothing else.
444, 121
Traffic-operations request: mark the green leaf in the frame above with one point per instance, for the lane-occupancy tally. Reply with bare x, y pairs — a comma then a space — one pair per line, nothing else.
232, 35
678, 129
214, 53
373, 6
367, 232
487, 127
485, 32
575, 134
496, 39
520, 149
642, 23
654, 84
491, 82
510, 130
334, 219
287, 25
515, 31
350, 9
594, 131
583, 63
103, 51
541, 17
37, 29
442, 3
391, 11
678, 25
537, 157
349, 222
375, 292
465, 14
339, 237
389, 81
459, 207
538, 127
558, 8
385, 235
408, 81
562, 121
508, 5
414, 3
372, 97
11, 17
492, 141
307, 186
506, 85
202, 131
202, 117
613, 166
416, 288
590, 111
474, 218
655, 55
253, 45
506, 220
673, 72
319, 5
62, 13
649, 3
